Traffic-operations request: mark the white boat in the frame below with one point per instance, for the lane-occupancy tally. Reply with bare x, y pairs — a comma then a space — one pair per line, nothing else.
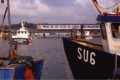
22, 35
85, 35
88, 35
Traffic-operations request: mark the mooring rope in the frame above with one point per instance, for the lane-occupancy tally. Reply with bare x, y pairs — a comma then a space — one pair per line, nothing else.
115, 70
92, 10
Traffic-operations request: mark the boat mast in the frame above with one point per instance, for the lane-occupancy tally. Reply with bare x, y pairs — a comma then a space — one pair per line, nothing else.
9, 24
3, 20
118, 8
98, 7
2, 32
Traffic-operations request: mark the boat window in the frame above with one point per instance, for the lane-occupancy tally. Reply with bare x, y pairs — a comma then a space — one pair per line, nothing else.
22, 32
103, 31
115, 27
18, 32
25, 32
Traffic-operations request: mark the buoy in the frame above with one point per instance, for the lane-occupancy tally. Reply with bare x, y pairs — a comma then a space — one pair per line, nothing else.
30, 40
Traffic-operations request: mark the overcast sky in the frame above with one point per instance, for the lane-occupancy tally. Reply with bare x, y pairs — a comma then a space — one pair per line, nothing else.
55, 11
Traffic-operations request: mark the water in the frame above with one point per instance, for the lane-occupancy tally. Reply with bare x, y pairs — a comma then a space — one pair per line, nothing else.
51, 49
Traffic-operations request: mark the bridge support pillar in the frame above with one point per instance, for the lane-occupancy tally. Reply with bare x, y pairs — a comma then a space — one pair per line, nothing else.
43, 35
58, 34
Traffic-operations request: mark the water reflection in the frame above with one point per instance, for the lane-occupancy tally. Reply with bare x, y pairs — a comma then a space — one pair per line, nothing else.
51, 49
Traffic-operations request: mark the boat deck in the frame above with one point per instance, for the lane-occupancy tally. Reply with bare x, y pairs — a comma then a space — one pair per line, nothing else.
95, 43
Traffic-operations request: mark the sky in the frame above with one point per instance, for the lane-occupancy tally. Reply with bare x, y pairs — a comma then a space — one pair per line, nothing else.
55, 11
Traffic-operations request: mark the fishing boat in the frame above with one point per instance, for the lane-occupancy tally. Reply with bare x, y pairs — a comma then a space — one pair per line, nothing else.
16, 66
22, 35
90, 60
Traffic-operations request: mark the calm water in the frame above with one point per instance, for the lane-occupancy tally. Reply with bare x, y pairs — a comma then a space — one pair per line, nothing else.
51, 49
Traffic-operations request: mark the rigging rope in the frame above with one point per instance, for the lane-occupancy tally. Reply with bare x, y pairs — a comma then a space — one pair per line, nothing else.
109, 7
92, 10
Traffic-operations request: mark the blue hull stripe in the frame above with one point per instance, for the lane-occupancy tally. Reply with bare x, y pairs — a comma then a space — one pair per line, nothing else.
108, 18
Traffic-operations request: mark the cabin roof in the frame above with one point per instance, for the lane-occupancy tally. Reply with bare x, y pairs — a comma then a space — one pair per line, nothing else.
110, 18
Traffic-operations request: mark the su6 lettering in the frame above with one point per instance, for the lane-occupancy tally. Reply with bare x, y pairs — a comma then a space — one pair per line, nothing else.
86, 55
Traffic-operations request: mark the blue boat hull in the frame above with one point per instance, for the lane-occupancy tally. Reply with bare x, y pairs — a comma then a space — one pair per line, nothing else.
17, 71
89, 63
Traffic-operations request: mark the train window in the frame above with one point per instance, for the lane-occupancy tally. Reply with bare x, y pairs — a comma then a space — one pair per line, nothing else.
44, 26
103, 31
68, 26
64, 26
88, 26
115, 27
51, 26
96, 26
77, 26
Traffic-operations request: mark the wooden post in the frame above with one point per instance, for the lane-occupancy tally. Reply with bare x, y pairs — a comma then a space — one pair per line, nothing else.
58, 35
43, 35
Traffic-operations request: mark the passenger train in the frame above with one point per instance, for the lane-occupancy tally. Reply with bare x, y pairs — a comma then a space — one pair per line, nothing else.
67, 26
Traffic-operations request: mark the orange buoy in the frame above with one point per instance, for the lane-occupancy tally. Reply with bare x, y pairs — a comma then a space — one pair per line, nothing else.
30, 40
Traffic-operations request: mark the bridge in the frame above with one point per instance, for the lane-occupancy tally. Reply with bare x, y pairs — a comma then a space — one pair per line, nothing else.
66, 28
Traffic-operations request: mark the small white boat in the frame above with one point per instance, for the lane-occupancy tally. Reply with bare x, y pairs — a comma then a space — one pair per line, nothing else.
22, 35
88, 35
84, 35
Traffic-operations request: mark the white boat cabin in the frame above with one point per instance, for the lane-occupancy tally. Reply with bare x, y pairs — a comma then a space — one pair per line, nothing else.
22, 32
110, 31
